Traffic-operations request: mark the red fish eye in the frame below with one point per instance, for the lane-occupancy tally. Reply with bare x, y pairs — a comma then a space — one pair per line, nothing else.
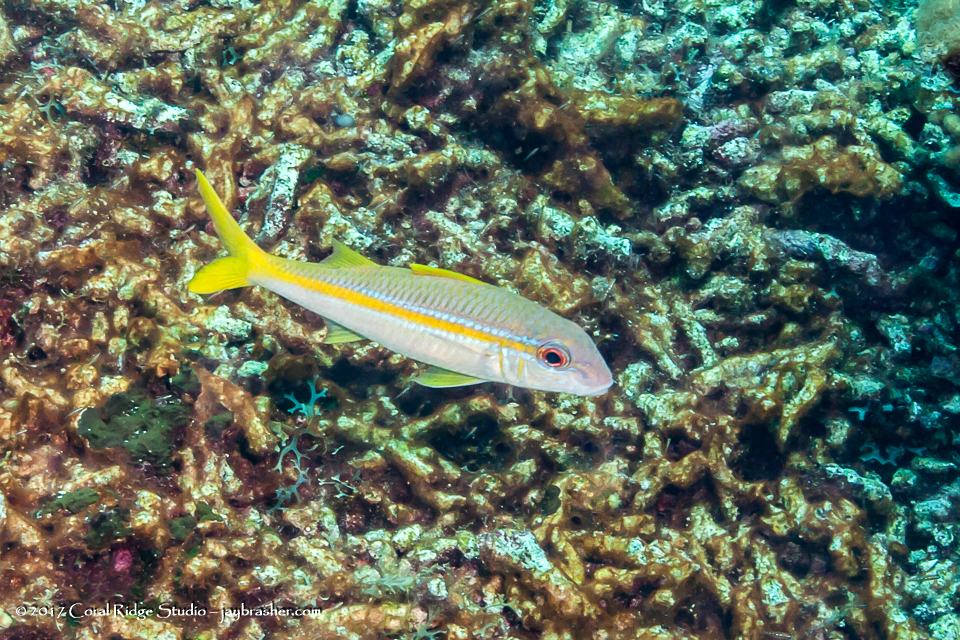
553, 356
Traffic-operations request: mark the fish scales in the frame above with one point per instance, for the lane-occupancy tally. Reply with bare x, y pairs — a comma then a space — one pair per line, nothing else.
393, 311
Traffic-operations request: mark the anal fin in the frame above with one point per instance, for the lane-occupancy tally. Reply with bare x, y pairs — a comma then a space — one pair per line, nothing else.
438, 378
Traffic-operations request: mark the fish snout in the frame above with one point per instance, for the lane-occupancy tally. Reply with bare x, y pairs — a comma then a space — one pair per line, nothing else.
596, 380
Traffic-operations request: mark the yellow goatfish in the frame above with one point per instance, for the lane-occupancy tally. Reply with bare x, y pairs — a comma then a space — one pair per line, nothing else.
469, 331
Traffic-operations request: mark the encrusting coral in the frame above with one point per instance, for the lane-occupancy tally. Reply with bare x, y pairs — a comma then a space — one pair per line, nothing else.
750, 207
937, 22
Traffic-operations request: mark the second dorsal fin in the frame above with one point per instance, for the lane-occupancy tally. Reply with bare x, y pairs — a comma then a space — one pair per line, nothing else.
424, 270
344, 256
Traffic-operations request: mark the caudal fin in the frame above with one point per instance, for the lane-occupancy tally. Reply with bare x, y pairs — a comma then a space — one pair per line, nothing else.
233, 271
222, 273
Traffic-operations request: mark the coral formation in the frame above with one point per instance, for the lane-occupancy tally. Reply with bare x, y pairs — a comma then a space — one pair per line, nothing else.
751, 207
937, 22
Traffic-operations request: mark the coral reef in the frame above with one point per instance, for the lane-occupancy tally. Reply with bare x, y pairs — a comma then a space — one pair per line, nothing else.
937, 22
751, 207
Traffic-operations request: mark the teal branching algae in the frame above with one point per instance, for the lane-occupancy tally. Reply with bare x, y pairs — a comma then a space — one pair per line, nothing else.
750, 207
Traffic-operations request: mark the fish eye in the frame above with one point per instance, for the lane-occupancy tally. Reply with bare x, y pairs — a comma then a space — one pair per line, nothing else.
554, 356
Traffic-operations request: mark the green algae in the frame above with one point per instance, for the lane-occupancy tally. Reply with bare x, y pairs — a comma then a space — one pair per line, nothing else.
216, 424
181, 528
186, 381
73, 502
106, 527
205, 513
130, 420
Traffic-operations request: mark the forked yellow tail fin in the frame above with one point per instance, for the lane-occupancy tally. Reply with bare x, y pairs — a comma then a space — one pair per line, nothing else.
222, 273
233, 271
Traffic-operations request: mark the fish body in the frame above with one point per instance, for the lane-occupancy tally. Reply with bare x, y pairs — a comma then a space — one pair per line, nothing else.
469, 330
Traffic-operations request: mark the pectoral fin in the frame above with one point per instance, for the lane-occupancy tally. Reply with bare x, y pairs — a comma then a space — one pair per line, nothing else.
338, 334
440, 378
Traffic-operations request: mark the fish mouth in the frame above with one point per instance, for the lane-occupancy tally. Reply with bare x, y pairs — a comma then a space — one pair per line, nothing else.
596, 385
598, 390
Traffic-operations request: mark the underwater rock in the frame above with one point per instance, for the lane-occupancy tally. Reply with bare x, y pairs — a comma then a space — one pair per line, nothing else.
250, 418
936, 23
7, 46
855, 169
870, 487
415, 52
79, 94
835, 253
278, 184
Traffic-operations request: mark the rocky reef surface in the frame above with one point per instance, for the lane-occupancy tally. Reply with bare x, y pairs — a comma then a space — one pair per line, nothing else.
752, 207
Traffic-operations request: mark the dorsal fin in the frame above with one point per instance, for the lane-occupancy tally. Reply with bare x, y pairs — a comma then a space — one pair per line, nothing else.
424, 270
344, 256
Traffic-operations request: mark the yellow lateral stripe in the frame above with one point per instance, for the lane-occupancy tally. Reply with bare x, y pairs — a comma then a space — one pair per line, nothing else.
355, 297
362, 300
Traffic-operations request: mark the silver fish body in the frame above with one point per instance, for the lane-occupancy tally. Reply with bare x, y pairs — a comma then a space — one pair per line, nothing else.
476, 329
468, 330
